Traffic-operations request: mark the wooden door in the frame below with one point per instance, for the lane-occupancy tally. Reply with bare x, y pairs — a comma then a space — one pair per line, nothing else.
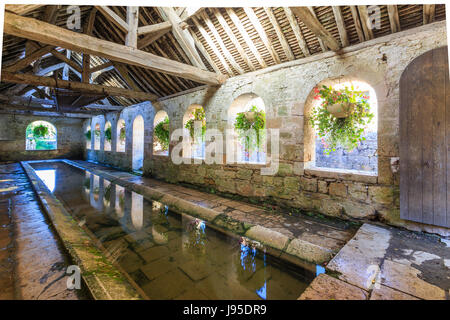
424, 139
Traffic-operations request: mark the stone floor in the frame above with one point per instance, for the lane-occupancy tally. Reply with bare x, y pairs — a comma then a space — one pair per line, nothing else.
32, 263
384, 263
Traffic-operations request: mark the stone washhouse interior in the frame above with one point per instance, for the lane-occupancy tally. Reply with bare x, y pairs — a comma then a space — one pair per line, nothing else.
224, 153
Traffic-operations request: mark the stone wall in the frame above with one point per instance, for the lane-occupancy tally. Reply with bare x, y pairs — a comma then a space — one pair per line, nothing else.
12, 138
362, 158
287, 91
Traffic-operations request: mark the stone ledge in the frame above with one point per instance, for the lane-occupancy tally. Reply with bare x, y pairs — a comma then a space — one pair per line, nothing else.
102, 278
325, 287
348, 175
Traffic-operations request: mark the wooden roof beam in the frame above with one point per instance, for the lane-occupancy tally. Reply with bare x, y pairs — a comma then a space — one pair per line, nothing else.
74, 86
357, 23
34, 29
262, 34
429, 11
212, 45
321, 43
365, 22
297, 32
113, 17
222, 46
341, 26
233, 38
183, 37
22, 9
394, 20
165, 27
132, 22
29, 58
284, 44
246, 37
205, 53
316, 27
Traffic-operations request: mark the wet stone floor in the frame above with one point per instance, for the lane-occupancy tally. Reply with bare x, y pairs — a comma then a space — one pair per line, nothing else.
32, 262
168, 255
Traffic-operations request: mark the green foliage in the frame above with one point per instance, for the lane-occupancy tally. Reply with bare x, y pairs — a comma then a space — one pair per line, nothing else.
199, 115
243, 124
122, 134
88, 135
162, 133
346, 132
108, 136
40, 131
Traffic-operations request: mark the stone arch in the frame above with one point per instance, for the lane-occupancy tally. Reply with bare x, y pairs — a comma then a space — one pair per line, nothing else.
138, 143
197, 147
360, 82
108, 136
41, 141
120, 135
244, 103
158, 148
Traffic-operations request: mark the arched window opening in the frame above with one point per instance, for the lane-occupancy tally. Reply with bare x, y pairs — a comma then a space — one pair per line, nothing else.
347, 155
161, 133
121, 136
194, 121
138, 143
247, 117
120, 201
108, 137
88, 137
41, 135
97, 133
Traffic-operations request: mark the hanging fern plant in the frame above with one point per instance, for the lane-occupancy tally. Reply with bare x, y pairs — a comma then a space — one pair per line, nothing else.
199, 115
108, 136
341, 118
122, 134
40, 131
162, 133
252, 120
87, 134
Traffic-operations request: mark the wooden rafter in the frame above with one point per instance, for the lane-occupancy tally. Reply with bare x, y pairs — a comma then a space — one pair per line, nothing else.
316, 27
205, 53
155, 28
321, 42
29, 58
357, 22
212, 45
46, 33
22, 9
183, 37
297, 32
394, 20
262, 34
233, 38
113, 17
132, 22
66, 60
246, 37
365, 22
341, 26
429, 11
222, 46
75, 86
284, 44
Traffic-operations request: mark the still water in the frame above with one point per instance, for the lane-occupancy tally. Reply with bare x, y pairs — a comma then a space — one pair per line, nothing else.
171, 256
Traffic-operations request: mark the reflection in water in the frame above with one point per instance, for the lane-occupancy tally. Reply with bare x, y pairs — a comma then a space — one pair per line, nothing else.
319, 270
137, 210
48, 177
172, 256
120, 201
